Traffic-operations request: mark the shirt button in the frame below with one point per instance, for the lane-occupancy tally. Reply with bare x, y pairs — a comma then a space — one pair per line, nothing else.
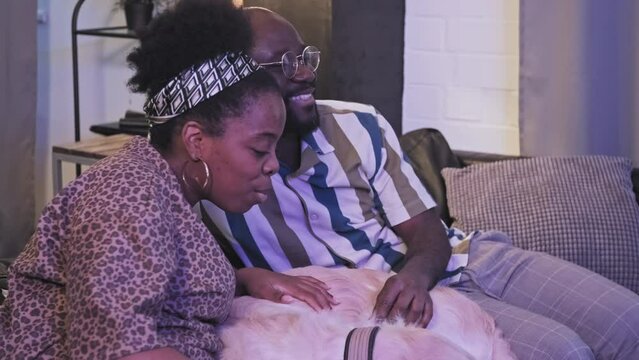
314, 217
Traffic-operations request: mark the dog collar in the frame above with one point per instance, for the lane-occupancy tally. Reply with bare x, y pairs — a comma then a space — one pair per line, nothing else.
359, 343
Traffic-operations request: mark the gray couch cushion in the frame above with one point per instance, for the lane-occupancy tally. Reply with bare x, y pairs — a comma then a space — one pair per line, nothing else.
3, 280
581, 209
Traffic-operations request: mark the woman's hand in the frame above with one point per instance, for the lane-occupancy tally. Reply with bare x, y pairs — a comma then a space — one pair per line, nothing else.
281, 288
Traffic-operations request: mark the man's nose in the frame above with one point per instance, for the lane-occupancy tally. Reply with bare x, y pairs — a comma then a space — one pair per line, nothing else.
304, 72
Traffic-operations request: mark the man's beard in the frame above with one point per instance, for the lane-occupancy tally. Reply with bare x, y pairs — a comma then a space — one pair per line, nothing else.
295, 125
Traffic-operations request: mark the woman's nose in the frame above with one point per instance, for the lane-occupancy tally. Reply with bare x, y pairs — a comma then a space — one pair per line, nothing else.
271, 166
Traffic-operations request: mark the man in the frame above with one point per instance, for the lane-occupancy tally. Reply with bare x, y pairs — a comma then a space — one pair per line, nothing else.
344, 197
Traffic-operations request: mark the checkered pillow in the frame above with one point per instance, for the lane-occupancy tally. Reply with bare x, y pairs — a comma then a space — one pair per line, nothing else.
581, 209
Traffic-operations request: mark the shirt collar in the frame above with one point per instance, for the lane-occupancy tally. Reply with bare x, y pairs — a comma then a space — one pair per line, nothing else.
318, 142
314, 144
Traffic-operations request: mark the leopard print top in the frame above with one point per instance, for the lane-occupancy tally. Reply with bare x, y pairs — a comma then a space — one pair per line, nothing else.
119, 264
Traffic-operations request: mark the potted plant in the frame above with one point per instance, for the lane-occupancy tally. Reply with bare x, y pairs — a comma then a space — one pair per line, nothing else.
138, 13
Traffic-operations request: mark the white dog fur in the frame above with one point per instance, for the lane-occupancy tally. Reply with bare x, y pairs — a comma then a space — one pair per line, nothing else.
261, 329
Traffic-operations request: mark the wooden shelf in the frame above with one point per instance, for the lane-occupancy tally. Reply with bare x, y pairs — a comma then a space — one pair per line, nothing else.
84, 152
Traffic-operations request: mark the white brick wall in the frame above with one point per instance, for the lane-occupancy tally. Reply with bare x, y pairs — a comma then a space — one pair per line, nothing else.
461, 68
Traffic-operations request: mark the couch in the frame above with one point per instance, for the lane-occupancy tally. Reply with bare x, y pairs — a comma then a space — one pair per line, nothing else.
584, 209
4, 263
604, 249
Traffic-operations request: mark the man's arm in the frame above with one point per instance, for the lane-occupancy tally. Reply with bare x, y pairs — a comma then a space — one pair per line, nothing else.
406, 293
428, 247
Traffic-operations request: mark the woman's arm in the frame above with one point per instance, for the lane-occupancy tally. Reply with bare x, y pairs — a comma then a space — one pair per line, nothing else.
282, 288
157, 354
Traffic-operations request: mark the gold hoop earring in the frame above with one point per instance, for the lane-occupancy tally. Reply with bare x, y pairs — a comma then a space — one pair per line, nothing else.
196, 179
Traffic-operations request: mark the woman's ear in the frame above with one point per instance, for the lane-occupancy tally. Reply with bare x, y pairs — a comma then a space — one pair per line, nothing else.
192, 136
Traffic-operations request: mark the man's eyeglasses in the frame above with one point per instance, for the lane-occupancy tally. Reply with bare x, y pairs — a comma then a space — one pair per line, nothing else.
290, 62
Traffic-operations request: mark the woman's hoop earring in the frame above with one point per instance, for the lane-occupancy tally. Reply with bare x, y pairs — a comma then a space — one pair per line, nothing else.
196, 179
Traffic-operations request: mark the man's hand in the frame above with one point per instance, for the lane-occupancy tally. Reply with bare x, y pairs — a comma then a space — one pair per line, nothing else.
406, 294
281, 288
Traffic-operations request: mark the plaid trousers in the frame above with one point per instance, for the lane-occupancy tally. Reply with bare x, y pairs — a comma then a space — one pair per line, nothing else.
549, 308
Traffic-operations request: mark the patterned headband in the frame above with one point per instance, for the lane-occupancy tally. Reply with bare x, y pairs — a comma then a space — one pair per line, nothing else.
197, 84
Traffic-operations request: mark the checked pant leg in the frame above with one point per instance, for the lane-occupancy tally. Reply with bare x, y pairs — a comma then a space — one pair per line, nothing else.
604, 315
531, 336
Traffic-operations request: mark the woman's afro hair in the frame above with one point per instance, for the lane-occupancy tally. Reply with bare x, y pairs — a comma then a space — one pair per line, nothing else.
183, 36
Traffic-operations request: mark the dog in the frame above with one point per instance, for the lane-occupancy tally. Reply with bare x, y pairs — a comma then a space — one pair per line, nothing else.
261, 329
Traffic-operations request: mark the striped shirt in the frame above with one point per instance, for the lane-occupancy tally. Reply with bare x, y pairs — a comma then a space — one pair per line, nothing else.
339, 207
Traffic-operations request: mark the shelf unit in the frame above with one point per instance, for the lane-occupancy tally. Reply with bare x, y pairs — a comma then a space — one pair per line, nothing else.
112, 32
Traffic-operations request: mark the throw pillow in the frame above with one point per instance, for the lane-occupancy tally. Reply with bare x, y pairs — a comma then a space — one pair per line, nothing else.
581, 209
428, 152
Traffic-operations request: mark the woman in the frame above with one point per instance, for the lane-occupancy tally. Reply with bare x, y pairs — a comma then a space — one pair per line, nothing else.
119, 265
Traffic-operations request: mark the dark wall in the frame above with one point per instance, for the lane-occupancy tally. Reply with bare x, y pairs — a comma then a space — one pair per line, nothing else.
312, 18
368, 55
362, 44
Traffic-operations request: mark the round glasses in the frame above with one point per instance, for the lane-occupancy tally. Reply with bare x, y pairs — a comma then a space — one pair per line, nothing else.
290, 62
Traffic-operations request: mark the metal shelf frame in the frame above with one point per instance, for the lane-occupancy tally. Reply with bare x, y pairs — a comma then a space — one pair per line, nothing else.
113, 32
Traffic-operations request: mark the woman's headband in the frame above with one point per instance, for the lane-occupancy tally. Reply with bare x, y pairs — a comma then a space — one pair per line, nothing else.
197, 84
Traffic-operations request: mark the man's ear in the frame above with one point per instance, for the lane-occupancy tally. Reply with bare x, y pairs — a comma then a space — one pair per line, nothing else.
192, 136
